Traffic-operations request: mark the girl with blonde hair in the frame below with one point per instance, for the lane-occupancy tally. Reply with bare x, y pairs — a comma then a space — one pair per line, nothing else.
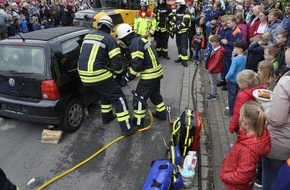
248, 81
238, 170
267, 74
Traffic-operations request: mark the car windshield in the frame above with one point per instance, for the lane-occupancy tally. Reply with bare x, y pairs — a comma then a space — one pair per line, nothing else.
22, 59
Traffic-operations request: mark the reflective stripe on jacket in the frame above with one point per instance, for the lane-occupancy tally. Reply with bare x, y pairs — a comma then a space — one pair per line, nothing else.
99, 51
145, 24
144, 60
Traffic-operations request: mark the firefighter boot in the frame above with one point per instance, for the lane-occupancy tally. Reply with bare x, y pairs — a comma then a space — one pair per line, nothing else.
108, 118
184, 63
178, 60
166, 56
160, 115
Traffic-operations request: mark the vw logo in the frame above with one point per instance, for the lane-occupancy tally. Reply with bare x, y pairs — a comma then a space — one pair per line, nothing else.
11, 82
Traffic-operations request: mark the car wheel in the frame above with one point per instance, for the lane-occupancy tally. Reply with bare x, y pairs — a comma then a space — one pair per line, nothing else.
73, 117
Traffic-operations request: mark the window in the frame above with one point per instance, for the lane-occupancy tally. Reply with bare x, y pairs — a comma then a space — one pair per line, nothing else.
24, 59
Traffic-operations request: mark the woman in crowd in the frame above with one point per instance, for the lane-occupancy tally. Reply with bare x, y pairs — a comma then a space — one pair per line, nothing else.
278, 124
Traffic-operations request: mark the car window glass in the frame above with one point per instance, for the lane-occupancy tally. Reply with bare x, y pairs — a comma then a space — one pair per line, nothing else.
22, 59
65, 65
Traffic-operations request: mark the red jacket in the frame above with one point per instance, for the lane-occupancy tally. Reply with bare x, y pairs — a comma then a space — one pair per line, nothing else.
243, 96
252, 30
216, 61
238, 169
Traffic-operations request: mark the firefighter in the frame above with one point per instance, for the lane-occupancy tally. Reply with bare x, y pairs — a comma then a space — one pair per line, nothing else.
144, 60
164, 19
145, 22
182, 23
99, 59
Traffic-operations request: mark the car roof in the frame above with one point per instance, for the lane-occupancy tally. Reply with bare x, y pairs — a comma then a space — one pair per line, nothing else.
48, 34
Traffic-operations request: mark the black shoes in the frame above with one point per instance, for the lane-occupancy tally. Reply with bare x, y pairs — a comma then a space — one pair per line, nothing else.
178, 60
131, 131
109, 119
225, 87
222, 83
162, 117
166, 56
184, 63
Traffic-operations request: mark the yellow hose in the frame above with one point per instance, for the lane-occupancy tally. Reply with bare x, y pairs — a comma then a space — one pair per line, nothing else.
94, 155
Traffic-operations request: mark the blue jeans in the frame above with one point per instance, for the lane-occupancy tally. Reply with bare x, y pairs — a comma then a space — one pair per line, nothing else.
226, 67
213, 82
197, 55
233, 90
270, 169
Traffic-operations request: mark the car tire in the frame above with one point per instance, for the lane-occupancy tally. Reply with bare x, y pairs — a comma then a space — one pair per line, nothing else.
73, 116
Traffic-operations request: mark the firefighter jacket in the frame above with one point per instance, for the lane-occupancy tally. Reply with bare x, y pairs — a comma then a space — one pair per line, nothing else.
183, 21
145, 23
100, 56
164, 18
144, 60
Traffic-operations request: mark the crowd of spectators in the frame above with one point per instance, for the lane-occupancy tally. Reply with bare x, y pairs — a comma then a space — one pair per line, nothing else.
27, 16
257, 33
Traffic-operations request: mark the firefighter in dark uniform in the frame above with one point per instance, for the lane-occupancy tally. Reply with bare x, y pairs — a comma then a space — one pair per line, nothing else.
99, 59
164, 18
182, 24
143, 60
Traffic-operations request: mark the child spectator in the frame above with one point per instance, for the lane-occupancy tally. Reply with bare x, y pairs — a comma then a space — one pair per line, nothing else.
248, 81
271, 53
233, 35
281, 40
45, 23
256, 51
35, 24
11, 31
214, 65
238, 64
198, 43
23, 24
239, 166
242, 25
213, 27
221, 31
267, 75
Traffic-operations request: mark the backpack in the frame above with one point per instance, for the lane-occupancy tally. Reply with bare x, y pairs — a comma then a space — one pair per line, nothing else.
186, 131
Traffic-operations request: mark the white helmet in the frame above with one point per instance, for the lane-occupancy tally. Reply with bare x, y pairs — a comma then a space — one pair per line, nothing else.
123, 30
180, 2
144, 3
106, 20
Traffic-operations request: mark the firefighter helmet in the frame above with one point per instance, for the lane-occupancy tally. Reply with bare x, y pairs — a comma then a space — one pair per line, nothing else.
107, 21
144, 3
180, 2
123, 30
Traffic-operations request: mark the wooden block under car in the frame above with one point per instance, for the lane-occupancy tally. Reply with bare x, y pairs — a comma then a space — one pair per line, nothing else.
51, 137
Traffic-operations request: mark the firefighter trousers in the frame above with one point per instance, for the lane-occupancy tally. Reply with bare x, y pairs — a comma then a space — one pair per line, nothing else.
145, 90
161, 42
182, 45
111, 94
